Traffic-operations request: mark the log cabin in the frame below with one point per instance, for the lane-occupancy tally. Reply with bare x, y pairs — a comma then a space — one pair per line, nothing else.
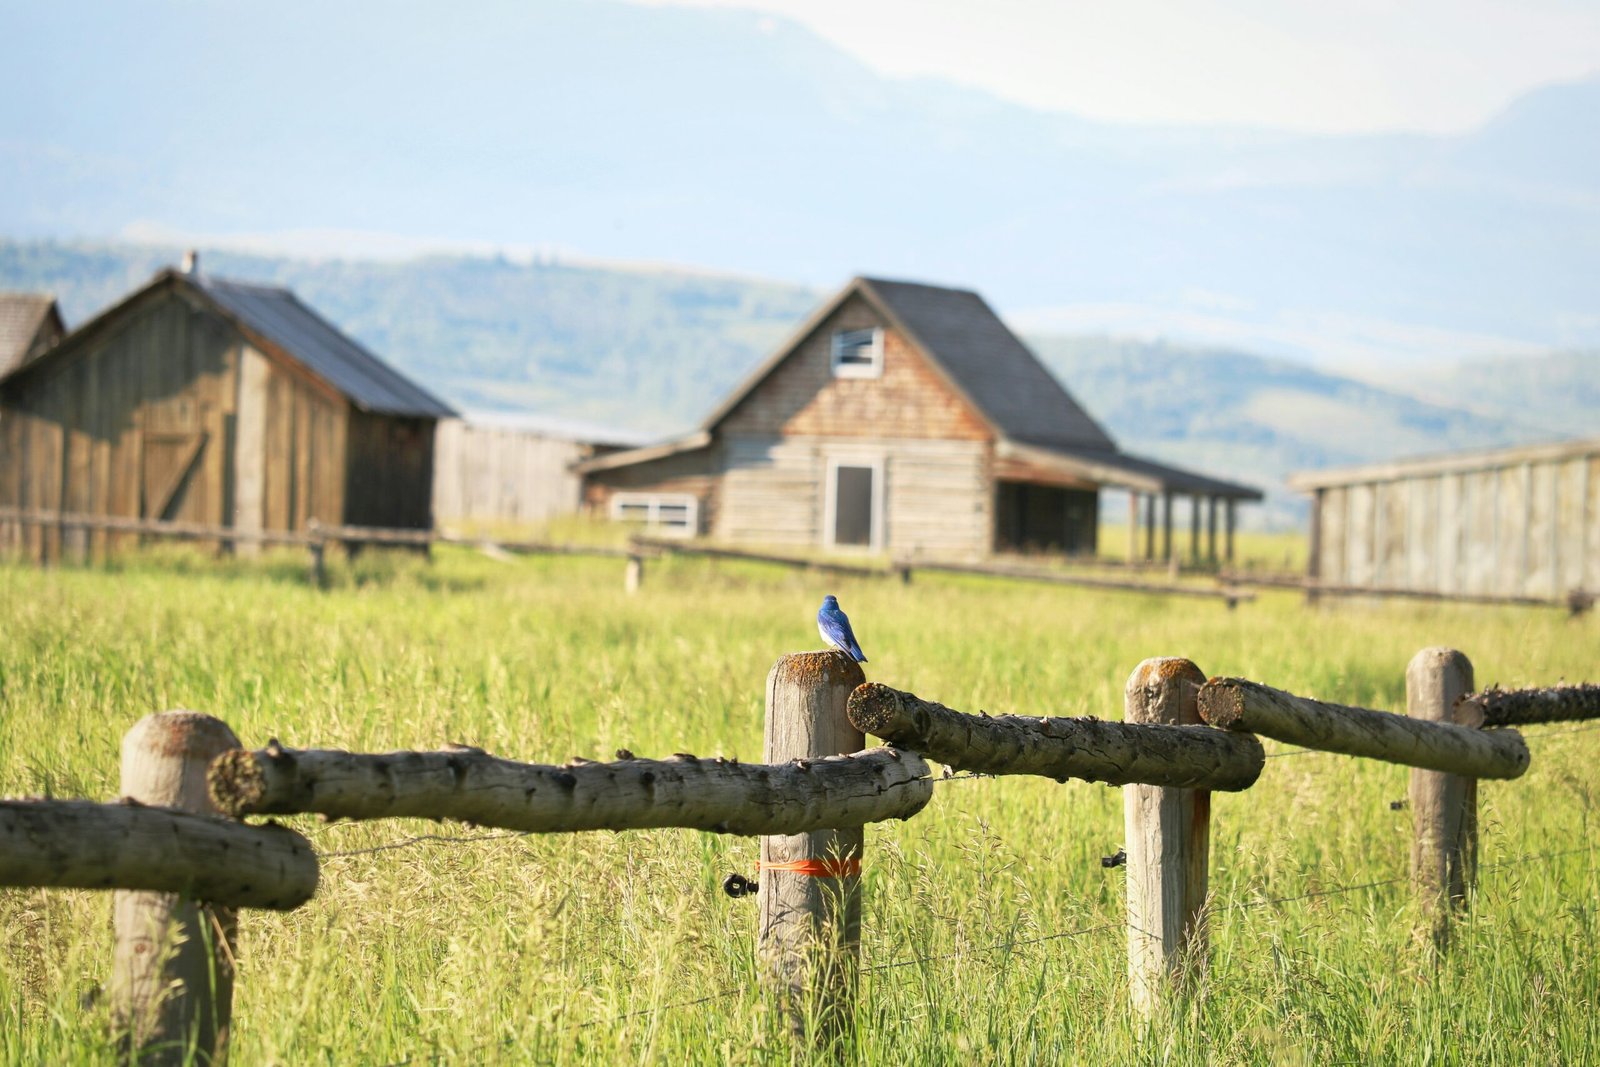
902, 418
216, 402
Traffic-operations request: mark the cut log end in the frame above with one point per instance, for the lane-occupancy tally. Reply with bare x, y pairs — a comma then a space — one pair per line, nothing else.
1221, 702
237, 782
874, 707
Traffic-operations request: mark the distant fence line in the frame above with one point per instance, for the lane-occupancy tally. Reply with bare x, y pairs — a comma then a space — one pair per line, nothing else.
1232, 587
166, 846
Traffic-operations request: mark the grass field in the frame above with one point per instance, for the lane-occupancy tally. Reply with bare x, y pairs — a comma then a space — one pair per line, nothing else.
588, 948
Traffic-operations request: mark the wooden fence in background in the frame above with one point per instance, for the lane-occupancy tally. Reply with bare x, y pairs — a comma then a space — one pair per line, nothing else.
181, 863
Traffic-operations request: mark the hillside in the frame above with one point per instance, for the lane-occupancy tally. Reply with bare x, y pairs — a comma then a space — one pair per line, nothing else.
745, 142
653, 351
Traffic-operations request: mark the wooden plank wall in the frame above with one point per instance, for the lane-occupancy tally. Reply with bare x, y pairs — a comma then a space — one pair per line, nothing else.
91, 432
1529, 529
495, 474
937, 495
389, 471
693, 473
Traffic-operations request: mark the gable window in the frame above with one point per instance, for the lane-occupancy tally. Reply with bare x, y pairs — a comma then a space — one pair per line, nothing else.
858, 353
672, 514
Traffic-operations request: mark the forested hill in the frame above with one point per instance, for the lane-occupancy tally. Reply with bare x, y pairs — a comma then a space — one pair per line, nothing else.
653, 350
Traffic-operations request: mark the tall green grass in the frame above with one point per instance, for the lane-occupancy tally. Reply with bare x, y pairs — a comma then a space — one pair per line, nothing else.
1002, 928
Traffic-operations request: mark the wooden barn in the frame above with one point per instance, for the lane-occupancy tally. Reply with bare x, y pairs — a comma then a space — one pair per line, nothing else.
216, 402
29, 324
511, 469
1515, 523
900, 417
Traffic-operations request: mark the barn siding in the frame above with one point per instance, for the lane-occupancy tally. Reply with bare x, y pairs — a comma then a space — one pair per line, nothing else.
802, 398
1527, 527
389, 471
495, 474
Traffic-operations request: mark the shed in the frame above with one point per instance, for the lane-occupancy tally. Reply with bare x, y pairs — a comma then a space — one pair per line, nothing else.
515, 468
215, 402
1509, 523
29, 324
900, 417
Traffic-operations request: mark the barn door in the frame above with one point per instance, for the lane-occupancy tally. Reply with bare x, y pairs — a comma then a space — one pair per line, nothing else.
854, 511
170, 462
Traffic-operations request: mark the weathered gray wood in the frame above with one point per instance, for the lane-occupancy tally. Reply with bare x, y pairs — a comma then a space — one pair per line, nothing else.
1167, 837
810, 921
1444, 807
1039, 574
82, 844
177, 530
466, 784
851, 570
1524, 707
172, 972
1236, 704
1116, 753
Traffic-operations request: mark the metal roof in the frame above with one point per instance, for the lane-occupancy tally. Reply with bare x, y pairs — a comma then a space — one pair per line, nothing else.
279, 317
987, 362
21, 316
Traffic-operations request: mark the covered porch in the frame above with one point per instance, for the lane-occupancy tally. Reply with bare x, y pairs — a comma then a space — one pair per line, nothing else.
1048, 498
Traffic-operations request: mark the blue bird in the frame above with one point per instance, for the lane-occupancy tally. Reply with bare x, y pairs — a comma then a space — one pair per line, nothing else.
834, 626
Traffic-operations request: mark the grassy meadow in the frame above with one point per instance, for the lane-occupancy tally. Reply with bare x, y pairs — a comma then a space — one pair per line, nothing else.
992, 933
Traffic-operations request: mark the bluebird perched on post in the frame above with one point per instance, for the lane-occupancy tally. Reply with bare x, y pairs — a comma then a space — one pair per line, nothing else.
834, 626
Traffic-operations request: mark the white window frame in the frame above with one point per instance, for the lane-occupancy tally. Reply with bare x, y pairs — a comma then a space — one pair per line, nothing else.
653, 503
830, 503
871, 369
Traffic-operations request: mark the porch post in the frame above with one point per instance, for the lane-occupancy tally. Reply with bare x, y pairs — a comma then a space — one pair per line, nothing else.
1227, 546
1211, 529
1166, 525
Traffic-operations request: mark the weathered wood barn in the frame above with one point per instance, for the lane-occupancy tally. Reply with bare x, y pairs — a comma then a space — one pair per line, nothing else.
1511, 523
215, 402
514, 469
29, 324
901, 417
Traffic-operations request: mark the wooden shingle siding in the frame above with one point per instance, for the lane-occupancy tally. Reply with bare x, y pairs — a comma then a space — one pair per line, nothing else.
1529, 528
802, 397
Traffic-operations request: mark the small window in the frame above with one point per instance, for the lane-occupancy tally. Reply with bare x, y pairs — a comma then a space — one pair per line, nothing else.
858, 353
672, 514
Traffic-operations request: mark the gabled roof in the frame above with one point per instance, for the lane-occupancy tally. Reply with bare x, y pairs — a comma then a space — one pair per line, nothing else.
276, 319
280, 317
977, 354
29, 323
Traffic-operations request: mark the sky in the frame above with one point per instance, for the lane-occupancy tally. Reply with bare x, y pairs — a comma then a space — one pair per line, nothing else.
1346, 66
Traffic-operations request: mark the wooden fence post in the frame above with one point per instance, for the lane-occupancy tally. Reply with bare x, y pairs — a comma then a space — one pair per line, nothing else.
172, 972
633, 576
1444, 807
809, 897
1168, 837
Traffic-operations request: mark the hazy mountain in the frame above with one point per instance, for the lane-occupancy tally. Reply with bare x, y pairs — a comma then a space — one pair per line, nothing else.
655, 350
745, 142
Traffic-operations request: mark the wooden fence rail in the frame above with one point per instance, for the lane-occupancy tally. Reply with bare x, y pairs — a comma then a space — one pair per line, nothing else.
466, 784
1236, 704
82, 844
1117, 753
1525, 707
181, 869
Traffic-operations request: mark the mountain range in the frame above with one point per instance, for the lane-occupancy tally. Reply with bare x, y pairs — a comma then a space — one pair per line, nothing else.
746, 142
653, 351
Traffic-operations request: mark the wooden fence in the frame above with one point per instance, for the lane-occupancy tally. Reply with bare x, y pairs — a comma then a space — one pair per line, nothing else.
181, 862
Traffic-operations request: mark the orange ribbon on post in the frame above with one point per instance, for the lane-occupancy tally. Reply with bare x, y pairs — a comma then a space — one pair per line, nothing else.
834, 868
